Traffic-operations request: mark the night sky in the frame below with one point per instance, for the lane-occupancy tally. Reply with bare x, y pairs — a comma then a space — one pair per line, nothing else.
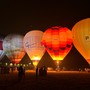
23, 16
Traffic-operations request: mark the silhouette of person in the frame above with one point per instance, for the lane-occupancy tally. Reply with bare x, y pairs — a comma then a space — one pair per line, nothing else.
24, 72
44, 71
41, 71
20, 73
37, 73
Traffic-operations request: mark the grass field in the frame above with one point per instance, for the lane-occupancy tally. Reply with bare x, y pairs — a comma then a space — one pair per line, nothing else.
63, 80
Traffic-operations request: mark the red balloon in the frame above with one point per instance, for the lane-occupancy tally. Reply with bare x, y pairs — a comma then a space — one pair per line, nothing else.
57, 41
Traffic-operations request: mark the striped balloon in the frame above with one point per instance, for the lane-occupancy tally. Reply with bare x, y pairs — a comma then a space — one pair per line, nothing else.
58, 42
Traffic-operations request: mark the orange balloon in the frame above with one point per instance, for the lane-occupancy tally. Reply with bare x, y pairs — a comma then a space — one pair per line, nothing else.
81, 38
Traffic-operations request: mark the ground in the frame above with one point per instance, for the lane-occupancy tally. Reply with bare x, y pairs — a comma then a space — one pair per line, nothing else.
63, 80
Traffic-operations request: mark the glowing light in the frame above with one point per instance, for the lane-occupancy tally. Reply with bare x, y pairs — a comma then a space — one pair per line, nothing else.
24, 65
13, 47
36, 58
15, 64
30, 63
18, 64
35, 62
57, 62
81, 38
58, 42
33, 47
6, 64
57, 58
11, 64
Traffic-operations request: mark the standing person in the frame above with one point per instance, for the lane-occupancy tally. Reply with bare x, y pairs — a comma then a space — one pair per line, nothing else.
20, 73
24, 72
37, 72
44, 71
12, 68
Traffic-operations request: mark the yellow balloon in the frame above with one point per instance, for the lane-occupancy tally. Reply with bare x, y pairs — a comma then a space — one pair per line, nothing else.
81, 38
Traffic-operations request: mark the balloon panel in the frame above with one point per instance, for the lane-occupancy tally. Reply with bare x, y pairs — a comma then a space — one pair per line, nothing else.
81, 37
13, 47
33, 46
57, 41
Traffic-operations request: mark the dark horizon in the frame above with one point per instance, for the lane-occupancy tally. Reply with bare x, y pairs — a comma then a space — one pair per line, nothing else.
21, 17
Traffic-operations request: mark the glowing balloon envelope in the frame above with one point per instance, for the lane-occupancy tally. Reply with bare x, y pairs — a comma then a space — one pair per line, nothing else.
81, 38
1, 48
58, 42
32, 45
13, 47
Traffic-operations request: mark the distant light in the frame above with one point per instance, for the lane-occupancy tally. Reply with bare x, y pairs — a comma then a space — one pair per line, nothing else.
18, 64
6, 64
29, 63
24, 65
15, 64
11, 64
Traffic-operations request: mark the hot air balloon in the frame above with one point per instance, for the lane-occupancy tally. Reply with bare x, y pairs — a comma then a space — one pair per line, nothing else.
1, 47
33, 46
58, 42
13, 47
81, 38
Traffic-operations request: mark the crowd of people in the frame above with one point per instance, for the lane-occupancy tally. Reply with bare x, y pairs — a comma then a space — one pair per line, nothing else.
40, 71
